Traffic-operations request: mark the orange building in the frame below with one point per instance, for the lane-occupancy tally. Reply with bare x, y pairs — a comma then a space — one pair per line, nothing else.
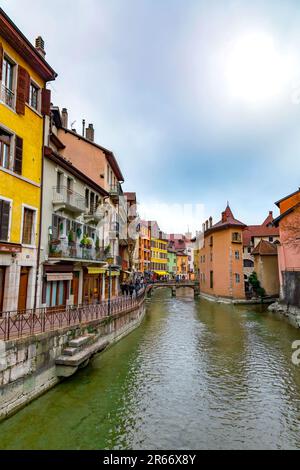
221, 258
144, 247
182, 264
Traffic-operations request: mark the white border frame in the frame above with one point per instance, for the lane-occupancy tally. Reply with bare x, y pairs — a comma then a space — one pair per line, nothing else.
33, 234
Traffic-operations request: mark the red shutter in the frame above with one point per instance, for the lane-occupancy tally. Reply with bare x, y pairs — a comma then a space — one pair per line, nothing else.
4, 219
46, 102
1, 60
18, 155
22, 90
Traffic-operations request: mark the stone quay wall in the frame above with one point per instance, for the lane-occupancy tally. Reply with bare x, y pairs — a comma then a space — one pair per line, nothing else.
27, 365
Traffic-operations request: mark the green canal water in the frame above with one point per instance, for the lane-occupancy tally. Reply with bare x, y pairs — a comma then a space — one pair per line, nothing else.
195, 375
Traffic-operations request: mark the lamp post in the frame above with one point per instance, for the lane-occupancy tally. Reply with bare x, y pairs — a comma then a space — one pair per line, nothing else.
109, 260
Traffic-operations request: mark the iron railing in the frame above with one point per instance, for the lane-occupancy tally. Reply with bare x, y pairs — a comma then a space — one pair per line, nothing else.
7, 96
73, 250
19, 324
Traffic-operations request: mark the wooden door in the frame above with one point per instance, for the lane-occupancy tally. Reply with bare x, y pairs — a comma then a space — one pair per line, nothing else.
22, 303
75, 287
2, 287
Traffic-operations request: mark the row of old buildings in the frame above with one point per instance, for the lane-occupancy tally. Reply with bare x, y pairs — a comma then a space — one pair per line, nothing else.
68, 231
235, 261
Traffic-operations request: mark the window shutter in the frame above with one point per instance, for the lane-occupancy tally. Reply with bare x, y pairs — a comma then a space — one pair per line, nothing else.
46, 102
1, 60
18, 155
4, 219
22, 90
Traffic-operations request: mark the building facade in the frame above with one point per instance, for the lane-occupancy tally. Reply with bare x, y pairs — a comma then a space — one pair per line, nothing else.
252, 236
24, 103
289, 248
159, 251
172, 263
221, 258
144, 247
266, 267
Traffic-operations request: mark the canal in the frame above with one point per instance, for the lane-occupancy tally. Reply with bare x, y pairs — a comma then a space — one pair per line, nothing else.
195, 375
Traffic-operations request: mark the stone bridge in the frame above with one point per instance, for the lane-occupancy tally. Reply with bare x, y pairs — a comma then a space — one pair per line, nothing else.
173, 285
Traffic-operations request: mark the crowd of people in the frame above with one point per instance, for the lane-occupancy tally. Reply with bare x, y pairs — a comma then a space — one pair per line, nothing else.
132, 288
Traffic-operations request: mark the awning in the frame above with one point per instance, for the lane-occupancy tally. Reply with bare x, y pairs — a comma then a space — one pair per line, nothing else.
161, 273
59, 277
93, 270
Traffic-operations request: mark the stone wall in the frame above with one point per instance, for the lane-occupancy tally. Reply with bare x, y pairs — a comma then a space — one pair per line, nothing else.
291, 288
27, 366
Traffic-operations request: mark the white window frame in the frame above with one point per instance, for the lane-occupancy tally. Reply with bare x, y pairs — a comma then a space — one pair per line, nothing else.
14, 87
34, 226
38, 109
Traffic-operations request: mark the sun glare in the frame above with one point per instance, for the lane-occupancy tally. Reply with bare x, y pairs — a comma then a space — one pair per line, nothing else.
255, 70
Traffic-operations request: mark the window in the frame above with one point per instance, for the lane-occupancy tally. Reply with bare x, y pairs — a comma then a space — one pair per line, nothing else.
87, 198
34, 96
211, 257
28, 226
236, 237
271, 239
59, 180
248, 263
4, 220
8, 82
5, 145
237, 255
237, 278
211, 279
211, 241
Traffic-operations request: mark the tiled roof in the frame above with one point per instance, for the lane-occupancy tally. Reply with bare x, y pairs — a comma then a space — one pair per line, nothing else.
130, 196
265, 248
227, 221
266, 229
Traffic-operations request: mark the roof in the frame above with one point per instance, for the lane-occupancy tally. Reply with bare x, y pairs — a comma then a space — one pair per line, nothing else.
286, 197
24, 48
228, 220
265, 248
68, 166
284, 214
130, 196
108, 153
266, 229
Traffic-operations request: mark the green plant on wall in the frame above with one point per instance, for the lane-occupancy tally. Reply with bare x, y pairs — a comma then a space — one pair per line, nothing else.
255, 283
107, 249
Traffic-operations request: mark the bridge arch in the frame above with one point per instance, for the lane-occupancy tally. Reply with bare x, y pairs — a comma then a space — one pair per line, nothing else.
173, 285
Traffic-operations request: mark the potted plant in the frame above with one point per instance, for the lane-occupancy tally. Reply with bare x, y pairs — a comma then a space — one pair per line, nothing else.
84, 241
71, 238
78, 232
97, 244
89, 243
107, 250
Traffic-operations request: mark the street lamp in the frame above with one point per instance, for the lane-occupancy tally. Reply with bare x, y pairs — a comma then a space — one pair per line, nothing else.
109, 260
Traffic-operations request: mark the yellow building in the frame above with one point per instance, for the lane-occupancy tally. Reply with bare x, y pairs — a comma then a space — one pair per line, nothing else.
182, 264
159, 251
24, 105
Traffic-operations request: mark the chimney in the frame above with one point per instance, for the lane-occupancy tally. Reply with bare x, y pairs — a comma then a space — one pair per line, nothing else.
210, 222
206, 225
203, 228
83, 127
40, 46
64, 118
271, 213
90, 133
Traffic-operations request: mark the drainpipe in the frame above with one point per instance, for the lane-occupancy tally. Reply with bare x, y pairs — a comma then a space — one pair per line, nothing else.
40, 220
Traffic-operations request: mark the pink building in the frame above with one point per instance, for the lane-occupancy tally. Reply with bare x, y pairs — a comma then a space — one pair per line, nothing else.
289, 248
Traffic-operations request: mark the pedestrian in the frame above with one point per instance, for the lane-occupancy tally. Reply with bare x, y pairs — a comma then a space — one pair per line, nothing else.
131, 289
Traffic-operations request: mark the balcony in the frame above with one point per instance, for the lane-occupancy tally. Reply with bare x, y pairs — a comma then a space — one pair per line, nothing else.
65, 198
114, 230
64, 250
7, 96
115, 192
94, 214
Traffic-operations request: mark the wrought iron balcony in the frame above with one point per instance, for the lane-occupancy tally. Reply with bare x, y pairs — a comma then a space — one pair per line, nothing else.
65, 198
115, 192
7, 96
114, 230
63, 249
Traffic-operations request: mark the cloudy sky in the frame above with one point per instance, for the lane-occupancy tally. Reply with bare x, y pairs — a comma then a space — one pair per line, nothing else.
198, 99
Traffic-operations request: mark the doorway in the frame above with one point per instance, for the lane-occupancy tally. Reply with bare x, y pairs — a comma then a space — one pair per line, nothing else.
23, 288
